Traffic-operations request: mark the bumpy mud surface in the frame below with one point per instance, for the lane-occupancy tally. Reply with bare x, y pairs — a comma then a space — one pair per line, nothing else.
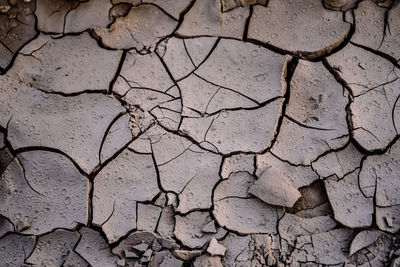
199, 133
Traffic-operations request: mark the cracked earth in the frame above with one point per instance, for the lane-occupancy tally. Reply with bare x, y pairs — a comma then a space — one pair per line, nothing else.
199, 133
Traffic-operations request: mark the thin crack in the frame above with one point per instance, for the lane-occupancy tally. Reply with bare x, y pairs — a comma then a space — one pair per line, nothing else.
26, 180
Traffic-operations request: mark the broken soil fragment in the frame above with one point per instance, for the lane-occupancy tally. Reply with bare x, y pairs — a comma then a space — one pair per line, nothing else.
216, 249
274, 188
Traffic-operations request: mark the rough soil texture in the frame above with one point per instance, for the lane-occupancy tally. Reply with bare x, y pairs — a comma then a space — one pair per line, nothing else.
199, 133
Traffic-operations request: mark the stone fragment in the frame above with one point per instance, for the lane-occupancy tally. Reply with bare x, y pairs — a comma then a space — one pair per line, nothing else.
304, 26
364, 239
169, 261
205, 18
146, 256
206, 260
142, 247
215, 249
274, 188
127, 179
57, 65
56, 122
237, 211
186, 255
15, 249
42, 191
168, 243
130, 254
158, 258
131, 31
94, 249
188, 229
138, 243
52, 249
350, 207
156, 246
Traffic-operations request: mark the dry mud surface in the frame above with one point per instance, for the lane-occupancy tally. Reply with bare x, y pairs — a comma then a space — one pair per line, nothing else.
199, 133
